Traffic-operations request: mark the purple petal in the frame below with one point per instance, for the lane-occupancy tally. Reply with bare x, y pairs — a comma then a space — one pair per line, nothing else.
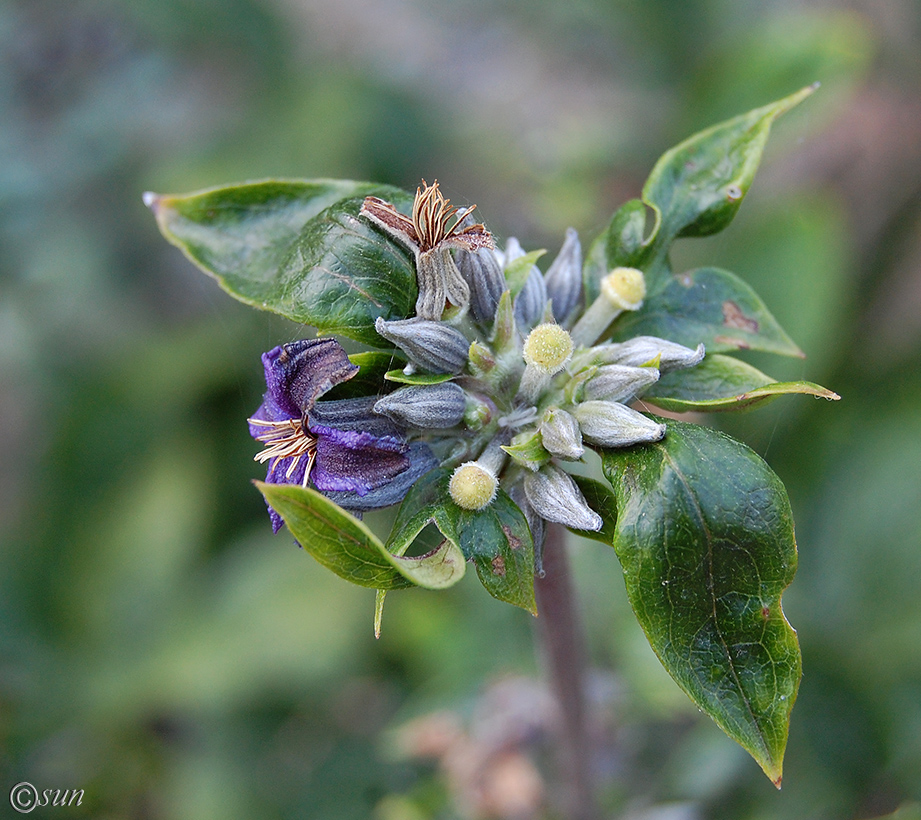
356, 461
421, 460
296, 374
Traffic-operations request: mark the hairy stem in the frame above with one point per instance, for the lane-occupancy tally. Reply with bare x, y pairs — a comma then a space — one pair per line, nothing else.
560, 636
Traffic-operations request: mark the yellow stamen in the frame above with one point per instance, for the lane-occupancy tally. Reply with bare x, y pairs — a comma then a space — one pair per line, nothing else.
286, 439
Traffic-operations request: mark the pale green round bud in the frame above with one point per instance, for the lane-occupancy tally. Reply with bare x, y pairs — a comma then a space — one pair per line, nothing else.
625, 288
472, 486
547, 348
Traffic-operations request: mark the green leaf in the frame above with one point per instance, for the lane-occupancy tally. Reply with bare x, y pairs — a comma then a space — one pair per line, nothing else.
496, 539
417, 378
705, 538
296, 247
345, 545
696, 187
722, 383
707, 305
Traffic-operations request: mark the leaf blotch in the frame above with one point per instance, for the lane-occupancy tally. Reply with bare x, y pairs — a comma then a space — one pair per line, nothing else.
514, 541
734, 317
498, 566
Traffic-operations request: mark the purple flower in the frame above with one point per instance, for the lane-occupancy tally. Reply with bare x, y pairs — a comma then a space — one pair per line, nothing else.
349, 453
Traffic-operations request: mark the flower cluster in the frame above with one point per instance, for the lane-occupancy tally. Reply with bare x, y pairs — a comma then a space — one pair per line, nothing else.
505, 379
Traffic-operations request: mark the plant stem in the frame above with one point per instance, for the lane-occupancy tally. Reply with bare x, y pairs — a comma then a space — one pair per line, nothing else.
560, 635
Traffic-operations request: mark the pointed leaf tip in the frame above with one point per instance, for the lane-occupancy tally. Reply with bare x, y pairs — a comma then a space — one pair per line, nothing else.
150, 199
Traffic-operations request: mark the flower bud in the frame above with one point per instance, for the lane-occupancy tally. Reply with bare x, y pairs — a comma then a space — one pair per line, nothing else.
642, 350
546, 351
561, 435
610, 424
564, 277
473, 486
547, 348
433, 346
431, 406
617, 382
483, 275
622, 289
531, 300
556, 497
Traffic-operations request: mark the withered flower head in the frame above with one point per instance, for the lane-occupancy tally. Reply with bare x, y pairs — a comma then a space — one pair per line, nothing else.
428, 235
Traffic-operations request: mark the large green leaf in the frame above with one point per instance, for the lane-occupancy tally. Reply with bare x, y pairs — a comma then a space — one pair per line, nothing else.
696, 188
297, 248
707, 305
705, 537
722, 383
345, 545
496, 539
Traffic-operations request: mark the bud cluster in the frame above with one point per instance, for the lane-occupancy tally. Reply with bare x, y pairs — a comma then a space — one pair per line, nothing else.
529, 388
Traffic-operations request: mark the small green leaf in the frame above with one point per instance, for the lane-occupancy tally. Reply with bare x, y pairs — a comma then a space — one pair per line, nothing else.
696, 187
417, 378
707, 305
721, 383
345, 545
294, 248
705, 537
527, 449
496, 539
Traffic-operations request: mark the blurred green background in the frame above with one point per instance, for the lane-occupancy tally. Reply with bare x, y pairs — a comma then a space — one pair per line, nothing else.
162, 651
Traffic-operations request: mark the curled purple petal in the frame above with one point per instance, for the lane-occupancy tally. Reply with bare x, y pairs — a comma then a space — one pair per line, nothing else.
298, 373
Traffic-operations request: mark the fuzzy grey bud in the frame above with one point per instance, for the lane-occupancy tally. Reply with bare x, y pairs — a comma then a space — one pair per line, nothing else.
564, 277
617, 382
610, 424
556, 497
483, 275
560, 434
431, 406
642, 349
531, 301
433, 346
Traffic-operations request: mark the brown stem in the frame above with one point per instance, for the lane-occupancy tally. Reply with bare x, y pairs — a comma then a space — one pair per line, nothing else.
561, 640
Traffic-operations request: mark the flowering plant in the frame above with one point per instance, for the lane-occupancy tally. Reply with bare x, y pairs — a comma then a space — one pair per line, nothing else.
485, 381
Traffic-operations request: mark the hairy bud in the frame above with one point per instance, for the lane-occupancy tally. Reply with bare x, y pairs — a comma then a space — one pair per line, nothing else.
610, 424
561, 435
430, 406
556, 497
564, 277
433, 346
473, 486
